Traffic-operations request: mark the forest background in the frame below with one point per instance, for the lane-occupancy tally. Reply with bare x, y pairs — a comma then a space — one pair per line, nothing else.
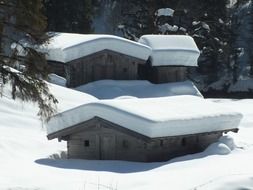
222, 29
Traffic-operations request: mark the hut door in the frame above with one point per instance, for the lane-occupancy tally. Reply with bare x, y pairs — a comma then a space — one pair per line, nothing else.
107, 145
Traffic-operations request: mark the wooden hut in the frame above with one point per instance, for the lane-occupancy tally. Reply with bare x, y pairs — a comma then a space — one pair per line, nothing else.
85, 58
99, 139
125, 130
171, 56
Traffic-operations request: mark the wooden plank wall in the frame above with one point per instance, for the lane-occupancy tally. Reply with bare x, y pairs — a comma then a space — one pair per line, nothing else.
102, 65
57, 68
162, 74
122, 146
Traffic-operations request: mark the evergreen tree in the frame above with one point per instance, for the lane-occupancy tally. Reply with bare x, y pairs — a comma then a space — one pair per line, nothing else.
213, 37
137, 18
69, 16
242, 14
23, 19
208, 23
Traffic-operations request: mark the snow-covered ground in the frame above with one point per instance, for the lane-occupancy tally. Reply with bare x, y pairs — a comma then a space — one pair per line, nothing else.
120, 89
28, 161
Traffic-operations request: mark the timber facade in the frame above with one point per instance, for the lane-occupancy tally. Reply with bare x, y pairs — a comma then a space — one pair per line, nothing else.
112, 65
58, 68
100, 139
101, 65
162, 74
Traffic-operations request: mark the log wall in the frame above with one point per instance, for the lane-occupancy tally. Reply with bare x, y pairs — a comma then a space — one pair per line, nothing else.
57, 68
162, 74
102, 65
101, 141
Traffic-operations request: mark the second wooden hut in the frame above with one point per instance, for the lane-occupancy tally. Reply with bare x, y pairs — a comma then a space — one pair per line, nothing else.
171, 56
85, 58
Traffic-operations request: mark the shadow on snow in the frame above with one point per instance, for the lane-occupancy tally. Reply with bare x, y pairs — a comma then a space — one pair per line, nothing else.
115, 165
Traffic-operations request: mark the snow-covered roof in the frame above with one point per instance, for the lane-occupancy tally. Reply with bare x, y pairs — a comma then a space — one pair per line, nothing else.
65, 47
172, 49
137, 88
153, 117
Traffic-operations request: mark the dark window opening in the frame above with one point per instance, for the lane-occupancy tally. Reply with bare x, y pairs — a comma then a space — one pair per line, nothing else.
197, 139
125, 70
125, 144
86, 143
161, 143
183, 142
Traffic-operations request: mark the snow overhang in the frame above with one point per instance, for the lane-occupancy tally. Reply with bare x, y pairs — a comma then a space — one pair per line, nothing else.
65, 47
153, 117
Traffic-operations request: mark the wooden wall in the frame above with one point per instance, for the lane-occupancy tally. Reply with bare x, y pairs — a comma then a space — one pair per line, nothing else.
162, 74
57, 68
102, 142
105, 144
107, 64
102, 65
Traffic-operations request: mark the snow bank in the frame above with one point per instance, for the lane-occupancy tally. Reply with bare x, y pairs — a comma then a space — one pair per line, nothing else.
224, 146
229, 141
72, 98
65, 47
56, 79
171, 49
153, 117
109, 89
217, 148
17, 113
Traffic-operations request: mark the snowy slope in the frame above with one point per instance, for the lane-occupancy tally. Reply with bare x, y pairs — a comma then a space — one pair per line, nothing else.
28, 161
109, 89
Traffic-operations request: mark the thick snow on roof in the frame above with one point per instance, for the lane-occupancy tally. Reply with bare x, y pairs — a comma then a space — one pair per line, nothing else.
172, 49
108, 89
153, 117
65, 47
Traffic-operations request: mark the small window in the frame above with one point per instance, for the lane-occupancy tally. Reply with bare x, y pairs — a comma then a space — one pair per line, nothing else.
197, 139
125, 70
161, 143
125, 144
183, 142
86, 143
